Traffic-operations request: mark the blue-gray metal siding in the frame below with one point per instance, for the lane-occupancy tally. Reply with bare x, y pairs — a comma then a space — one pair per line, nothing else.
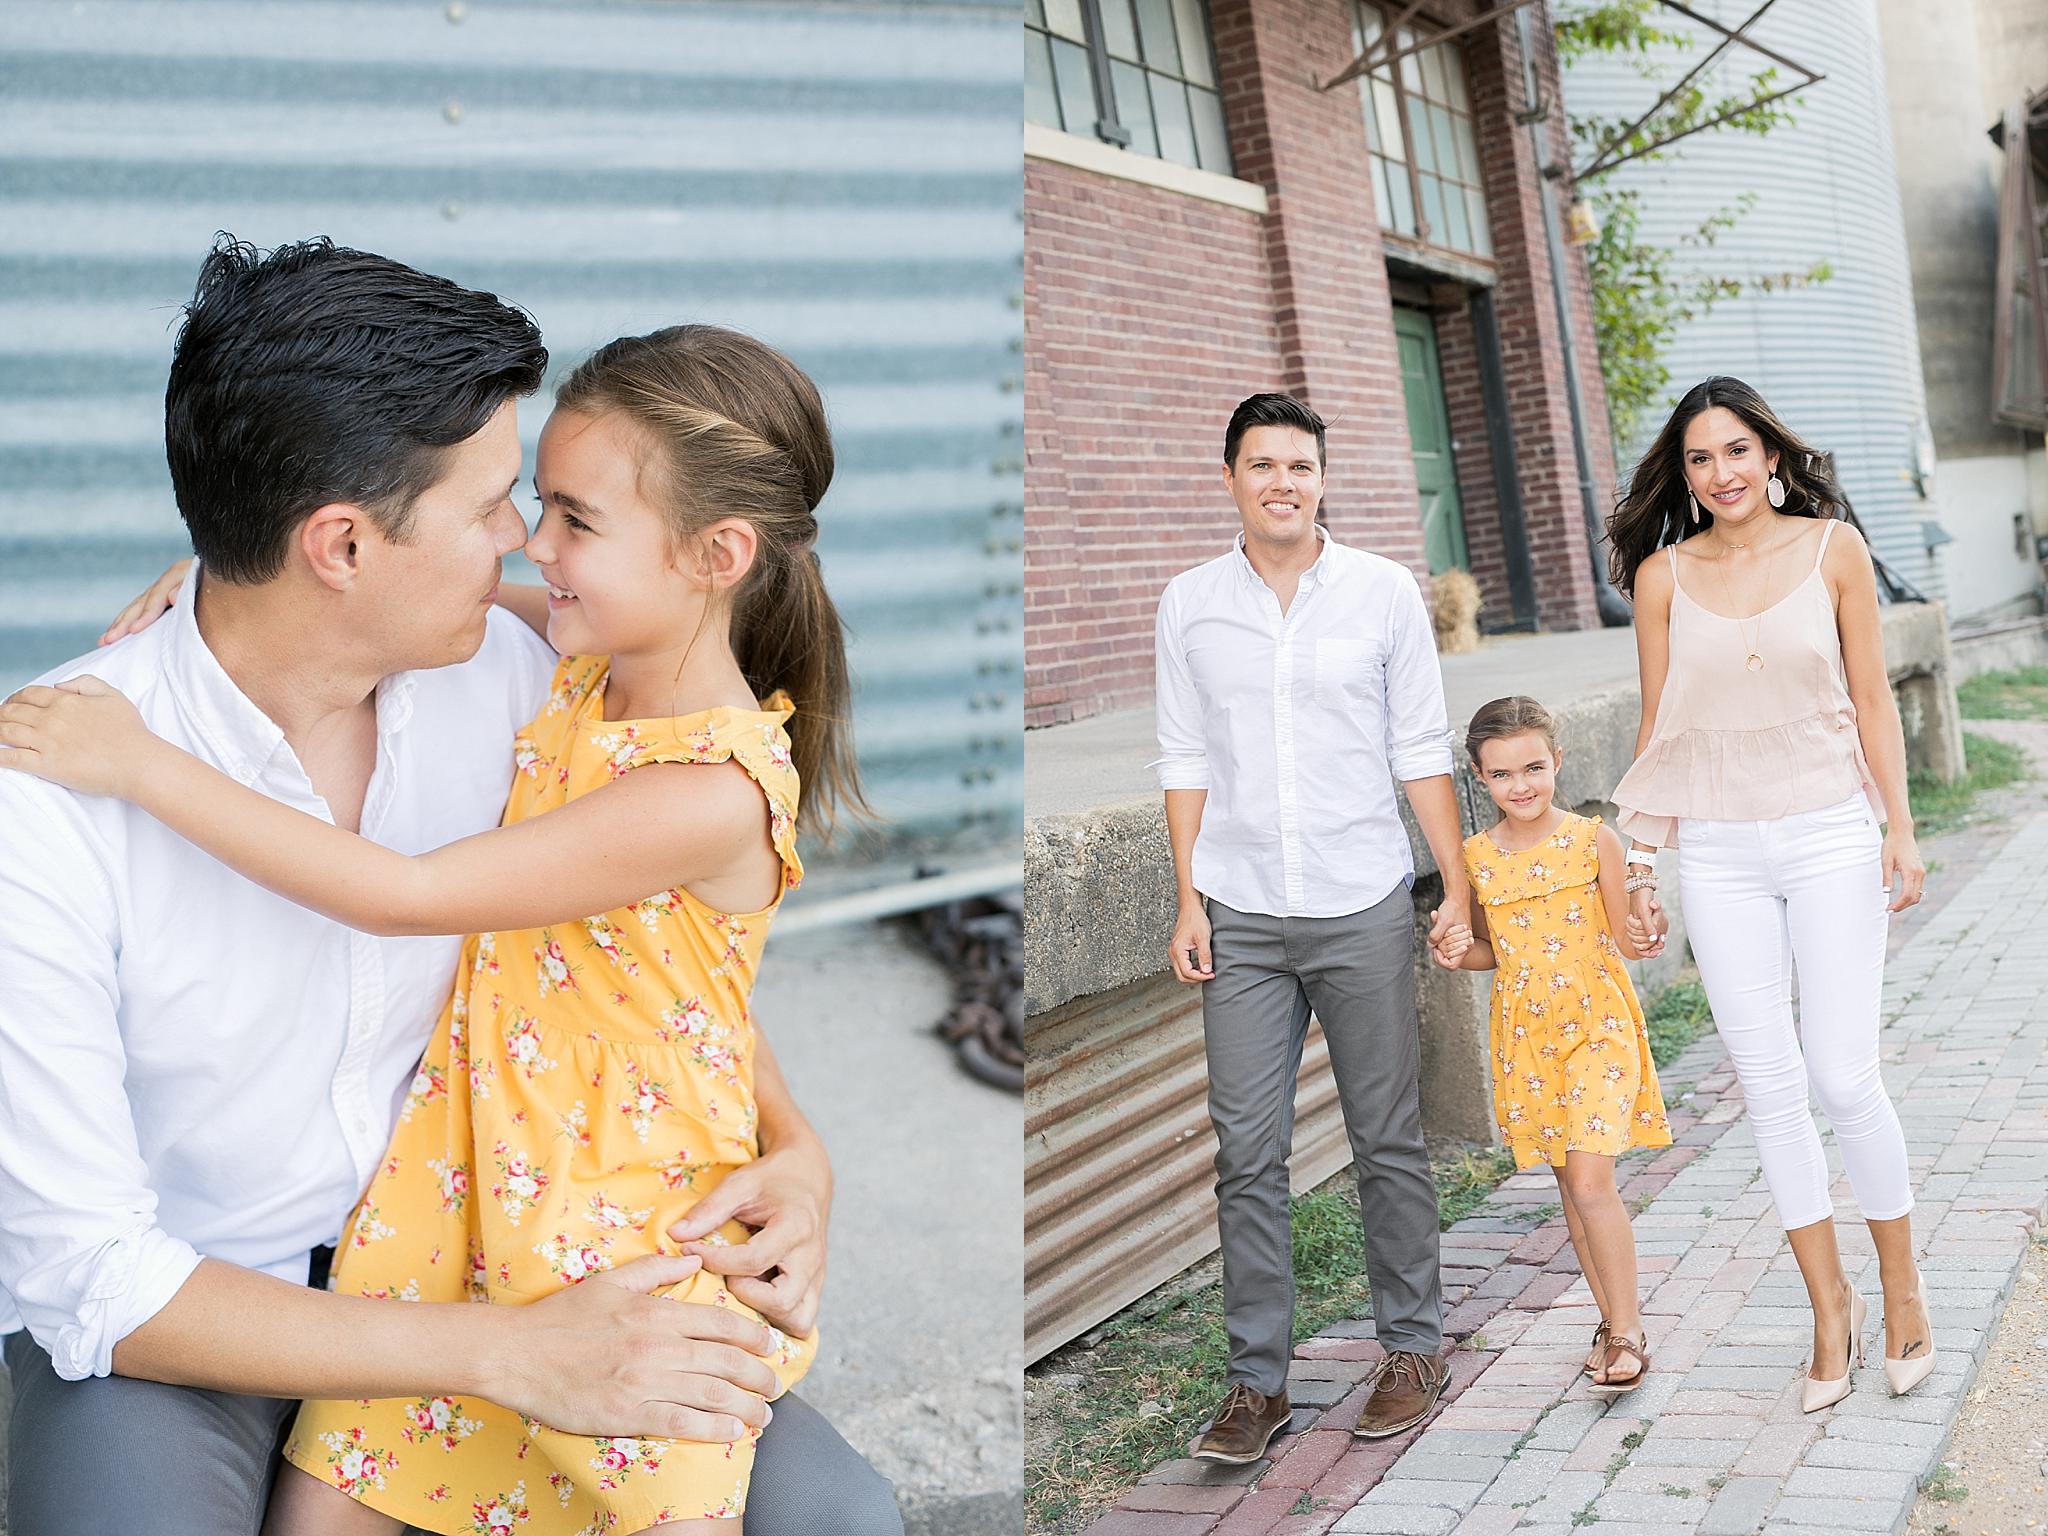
842, 180
1839, 361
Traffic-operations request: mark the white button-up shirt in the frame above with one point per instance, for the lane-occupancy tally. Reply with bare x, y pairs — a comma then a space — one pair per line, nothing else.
1297, 725
190, 1065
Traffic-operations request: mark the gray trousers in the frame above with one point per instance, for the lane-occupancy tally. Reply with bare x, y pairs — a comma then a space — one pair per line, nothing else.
1357, 975
111, 1454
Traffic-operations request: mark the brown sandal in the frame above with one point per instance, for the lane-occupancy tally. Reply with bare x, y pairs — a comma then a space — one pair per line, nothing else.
1619, 1343
1600, 1345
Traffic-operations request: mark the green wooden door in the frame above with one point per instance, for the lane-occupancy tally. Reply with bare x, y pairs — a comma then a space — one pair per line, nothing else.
1429, 431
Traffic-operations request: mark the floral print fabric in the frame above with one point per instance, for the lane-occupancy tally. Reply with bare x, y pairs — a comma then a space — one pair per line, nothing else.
587, 1084
1571, 1053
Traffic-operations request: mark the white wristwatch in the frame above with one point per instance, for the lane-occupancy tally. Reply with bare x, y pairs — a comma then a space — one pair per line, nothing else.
1644, 856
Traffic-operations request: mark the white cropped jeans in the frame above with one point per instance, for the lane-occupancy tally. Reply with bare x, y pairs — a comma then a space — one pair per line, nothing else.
1807, 891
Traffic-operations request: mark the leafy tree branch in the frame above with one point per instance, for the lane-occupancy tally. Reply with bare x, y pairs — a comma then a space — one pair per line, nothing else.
1643, 292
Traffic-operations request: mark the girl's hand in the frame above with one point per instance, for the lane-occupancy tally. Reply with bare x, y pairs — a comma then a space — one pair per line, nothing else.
1452, 917
82, 734
1903, 870
1647, 924
1451, 948
146, 609
785, 1194
1647, 943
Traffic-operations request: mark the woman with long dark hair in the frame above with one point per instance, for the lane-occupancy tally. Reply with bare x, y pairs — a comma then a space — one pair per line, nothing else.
1769, 750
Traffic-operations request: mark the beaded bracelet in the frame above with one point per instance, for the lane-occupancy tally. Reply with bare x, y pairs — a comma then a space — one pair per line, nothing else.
1640, 882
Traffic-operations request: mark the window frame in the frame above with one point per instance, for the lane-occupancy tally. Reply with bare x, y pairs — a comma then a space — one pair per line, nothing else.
1422, 243
1108, 127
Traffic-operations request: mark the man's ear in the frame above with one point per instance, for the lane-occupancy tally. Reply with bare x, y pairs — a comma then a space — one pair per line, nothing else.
329, 539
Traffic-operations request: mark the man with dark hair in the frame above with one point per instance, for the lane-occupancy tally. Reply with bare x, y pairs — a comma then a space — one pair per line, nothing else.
197, 1078
1297, 679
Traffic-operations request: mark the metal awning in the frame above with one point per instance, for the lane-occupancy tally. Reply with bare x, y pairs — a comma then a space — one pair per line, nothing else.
1382, 52
2019, 328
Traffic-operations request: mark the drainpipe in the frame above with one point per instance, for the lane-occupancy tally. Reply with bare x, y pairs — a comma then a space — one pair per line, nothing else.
1614, 609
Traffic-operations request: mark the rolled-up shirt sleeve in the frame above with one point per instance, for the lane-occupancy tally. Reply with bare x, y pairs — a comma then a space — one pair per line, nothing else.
1418, 731
81, 1255
1183, 761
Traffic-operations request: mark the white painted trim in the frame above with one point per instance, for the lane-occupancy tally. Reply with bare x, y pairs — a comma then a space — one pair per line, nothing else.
1043, 143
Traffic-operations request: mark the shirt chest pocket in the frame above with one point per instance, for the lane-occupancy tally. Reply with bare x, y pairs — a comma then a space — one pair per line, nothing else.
1347, 671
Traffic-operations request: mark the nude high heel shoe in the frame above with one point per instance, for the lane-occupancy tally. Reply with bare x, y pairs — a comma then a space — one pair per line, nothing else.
1816, 1395
1902, 1376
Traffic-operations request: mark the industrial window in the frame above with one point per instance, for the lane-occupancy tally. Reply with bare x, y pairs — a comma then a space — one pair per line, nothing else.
1136, 73
1418, 128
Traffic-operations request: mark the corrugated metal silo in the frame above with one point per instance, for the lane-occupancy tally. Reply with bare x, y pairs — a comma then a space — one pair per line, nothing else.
1839, 360
841, 180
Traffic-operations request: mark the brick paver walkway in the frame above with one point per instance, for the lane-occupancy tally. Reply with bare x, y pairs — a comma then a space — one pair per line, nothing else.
1714, 1441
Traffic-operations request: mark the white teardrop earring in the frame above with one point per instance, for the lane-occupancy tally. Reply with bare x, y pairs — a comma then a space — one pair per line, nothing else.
1695, 505
1774, 491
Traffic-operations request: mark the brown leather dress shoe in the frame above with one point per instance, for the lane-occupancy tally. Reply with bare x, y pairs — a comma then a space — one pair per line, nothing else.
1407, 1388
1244, 1426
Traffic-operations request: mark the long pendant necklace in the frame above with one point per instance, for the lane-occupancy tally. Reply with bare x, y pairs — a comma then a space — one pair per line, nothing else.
1754, 661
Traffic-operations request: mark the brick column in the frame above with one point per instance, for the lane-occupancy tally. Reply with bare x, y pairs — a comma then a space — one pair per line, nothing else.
1051, 561
1531, 355
1323, 249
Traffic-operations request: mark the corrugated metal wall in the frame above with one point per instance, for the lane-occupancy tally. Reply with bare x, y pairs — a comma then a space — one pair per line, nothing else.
842, 180
1120, 1155
1840, 361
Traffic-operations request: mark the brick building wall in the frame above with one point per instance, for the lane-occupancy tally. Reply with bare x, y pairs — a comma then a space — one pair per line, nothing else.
1149, 313
1143, 308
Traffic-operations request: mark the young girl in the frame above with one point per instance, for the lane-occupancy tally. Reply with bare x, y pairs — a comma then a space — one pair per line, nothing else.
1573, 1081
592, 1076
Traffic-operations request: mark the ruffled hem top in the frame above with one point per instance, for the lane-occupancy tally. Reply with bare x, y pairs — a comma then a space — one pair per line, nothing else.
1755, 721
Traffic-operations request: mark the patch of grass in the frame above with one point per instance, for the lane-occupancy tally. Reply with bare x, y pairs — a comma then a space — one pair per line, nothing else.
1464, 1180
1303, 1505
1677, 1016
1943, 1487
1329, 1262
2020, 695
1988, 764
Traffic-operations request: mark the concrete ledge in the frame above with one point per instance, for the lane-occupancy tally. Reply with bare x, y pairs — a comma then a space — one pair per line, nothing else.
2004, 647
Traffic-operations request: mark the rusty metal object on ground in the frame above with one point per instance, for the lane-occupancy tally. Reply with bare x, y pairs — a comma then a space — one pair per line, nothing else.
981, 942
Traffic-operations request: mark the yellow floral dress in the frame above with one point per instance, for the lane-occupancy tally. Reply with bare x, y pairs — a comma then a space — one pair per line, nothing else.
1571, 1054
587, 1084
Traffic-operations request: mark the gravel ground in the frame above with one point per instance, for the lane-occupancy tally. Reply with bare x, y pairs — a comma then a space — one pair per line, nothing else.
1997, 1482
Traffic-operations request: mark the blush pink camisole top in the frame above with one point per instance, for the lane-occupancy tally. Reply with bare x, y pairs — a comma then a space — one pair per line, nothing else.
1730, 744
